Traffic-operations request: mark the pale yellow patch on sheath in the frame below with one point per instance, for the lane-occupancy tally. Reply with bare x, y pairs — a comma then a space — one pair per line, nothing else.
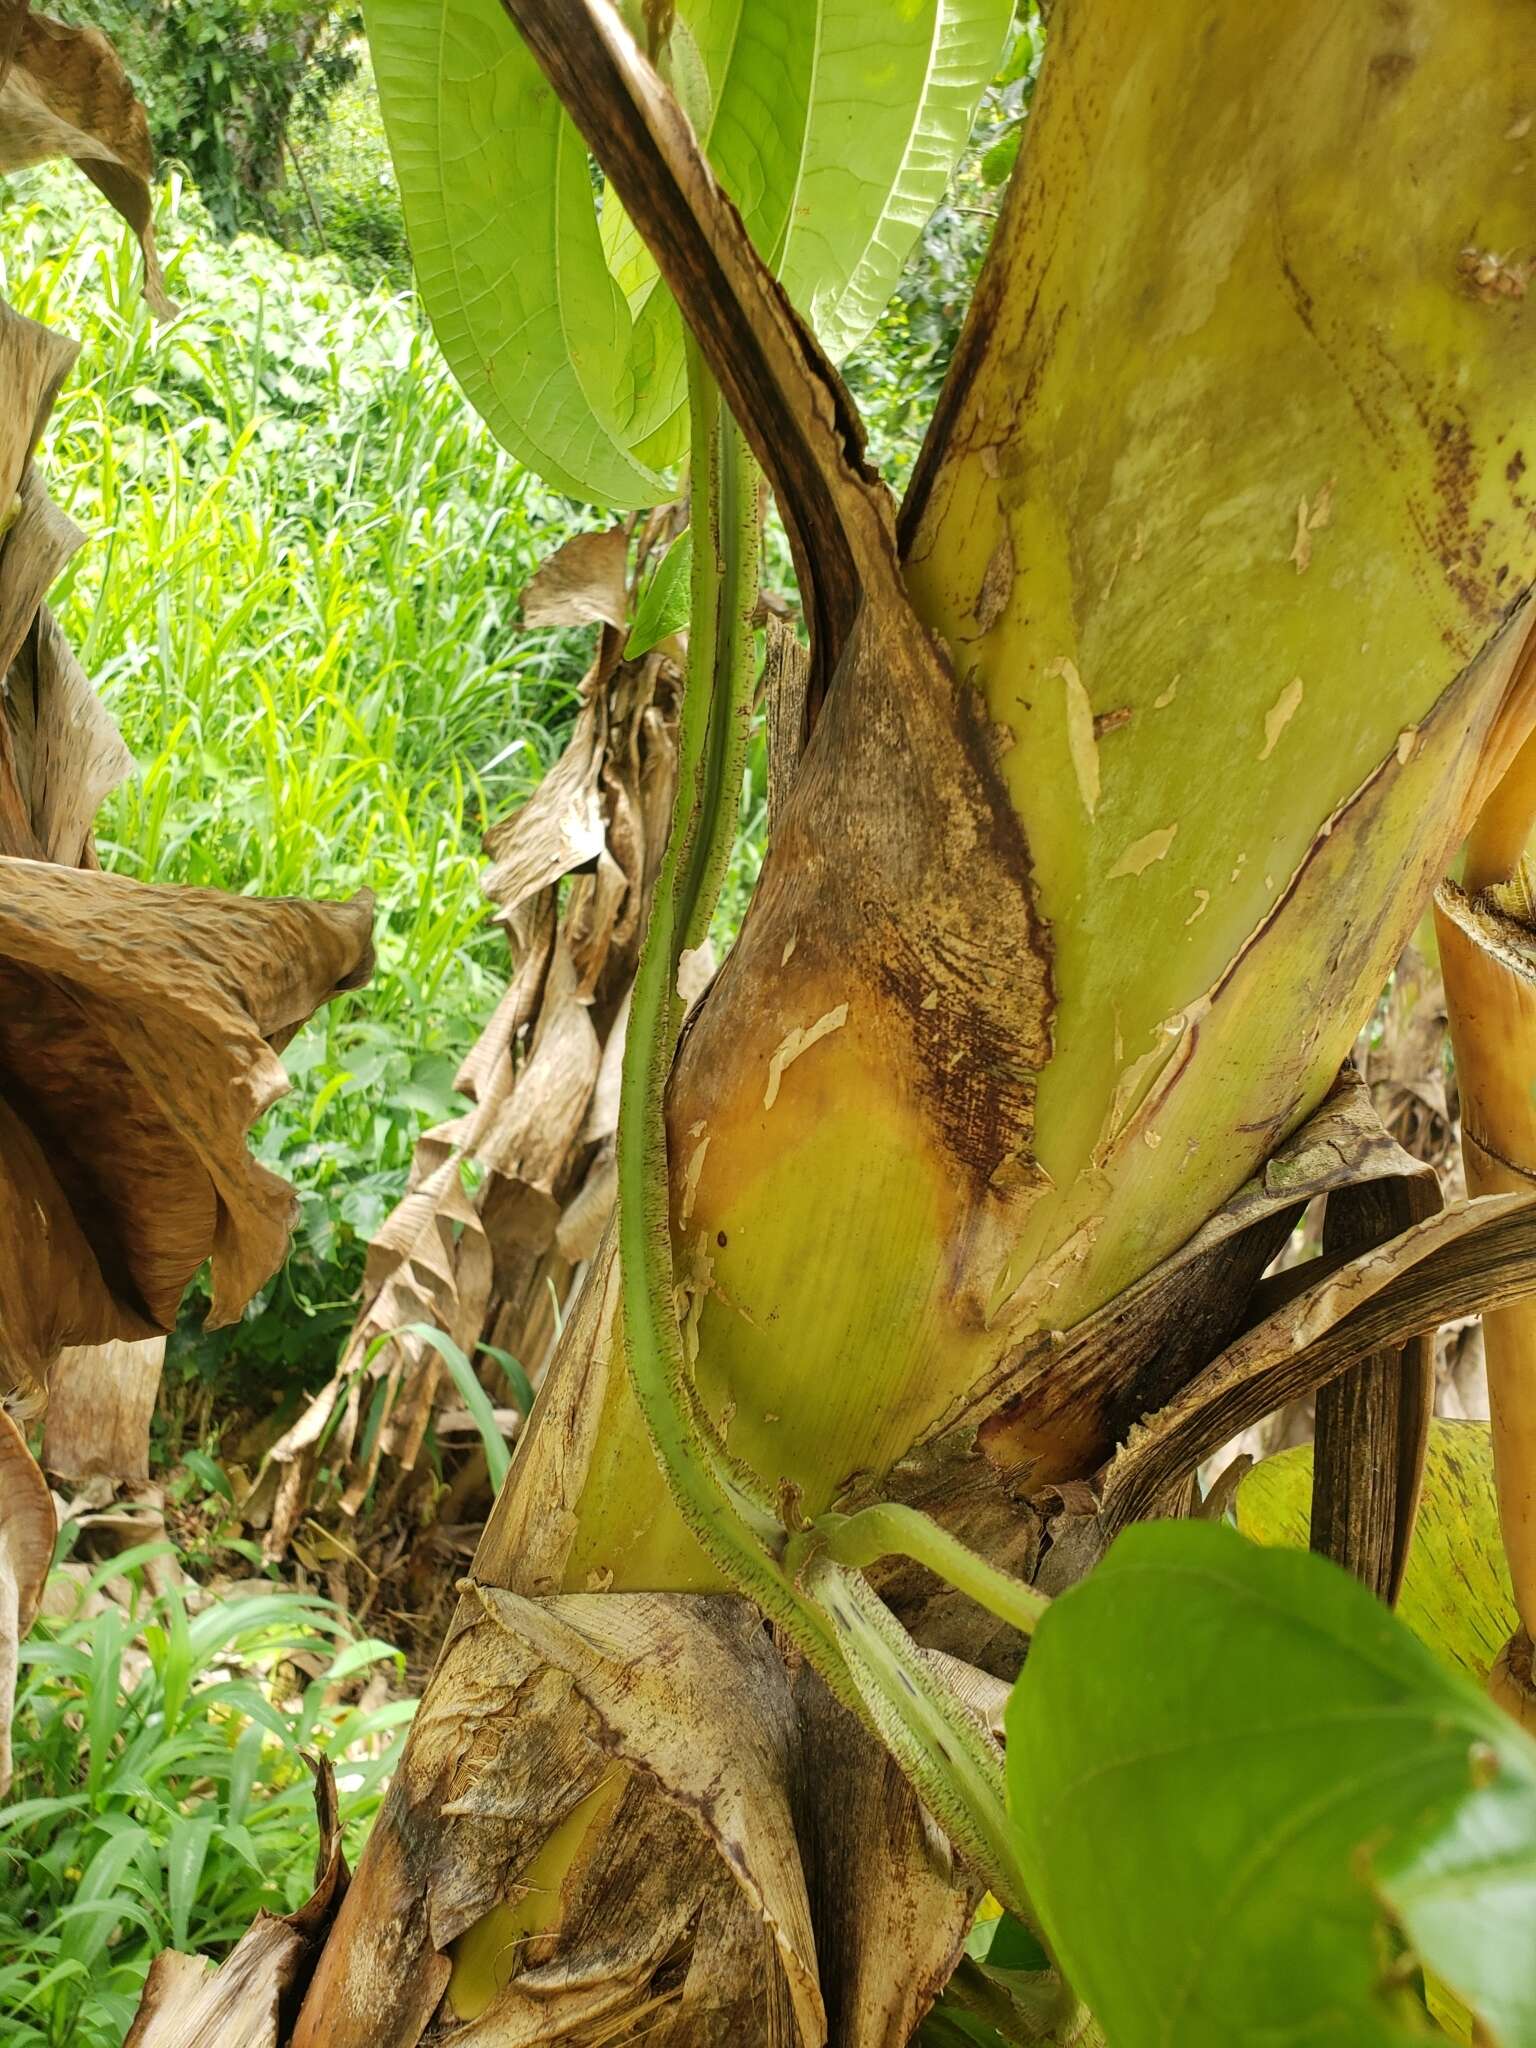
1280, 714
800, 1040
1141, 853
1082, 744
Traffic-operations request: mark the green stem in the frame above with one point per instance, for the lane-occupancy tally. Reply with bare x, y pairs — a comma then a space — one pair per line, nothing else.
829, 1612
890, 1530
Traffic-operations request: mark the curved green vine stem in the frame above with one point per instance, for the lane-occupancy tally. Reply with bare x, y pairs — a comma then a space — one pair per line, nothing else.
826, 1608
890, 1530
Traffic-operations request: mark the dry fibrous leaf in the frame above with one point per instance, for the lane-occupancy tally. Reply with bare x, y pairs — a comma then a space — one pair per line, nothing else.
66, 93
12, 14
582, 583
536, 1147
34, 361
1473, 1254
544, 1714
60, 750
101, 1398
139, 1032
249, 2000
27, 1530
559, 829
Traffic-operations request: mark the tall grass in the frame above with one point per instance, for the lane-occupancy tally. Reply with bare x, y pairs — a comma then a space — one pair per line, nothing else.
298, 596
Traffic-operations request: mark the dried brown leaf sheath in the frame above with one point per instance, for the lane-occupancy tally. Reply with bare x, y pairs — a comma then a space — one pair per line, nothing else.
249, 2000
139, 1031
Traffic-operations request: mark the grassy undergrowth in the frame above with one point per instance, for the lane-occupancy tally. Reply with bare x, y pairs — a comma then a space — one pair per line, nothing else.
298, 594
161, 1796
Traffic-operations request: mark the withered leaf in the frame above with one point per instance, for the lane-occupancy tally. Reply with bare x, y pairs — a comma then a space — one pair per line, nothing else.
66, 94
559, 828
581, 583
139, 1032
1472, 1256
34, 361
101, 1398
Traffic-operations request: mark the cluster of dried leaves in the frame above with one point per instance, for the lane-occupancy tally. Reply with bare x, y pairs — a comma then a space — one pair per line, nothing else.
508, 1202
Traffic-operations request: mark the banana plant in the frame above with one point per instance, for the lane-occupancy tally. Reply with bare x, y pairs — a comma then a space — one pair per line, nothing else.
1138, 739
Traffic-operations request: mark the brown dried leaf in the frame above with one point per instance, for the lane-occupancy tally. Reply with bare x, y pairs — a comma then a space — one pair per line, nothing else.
27, 1531
249, 1999
12, 15
101, 1398
139, 1031
543, 1079
67, 94
66, 753
581, 583
558, 829
1474, 1255
34, 361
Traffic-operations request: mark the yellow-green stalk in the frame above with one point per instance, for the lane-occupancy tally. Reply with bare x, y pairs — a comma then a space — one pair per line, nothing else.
1486, 929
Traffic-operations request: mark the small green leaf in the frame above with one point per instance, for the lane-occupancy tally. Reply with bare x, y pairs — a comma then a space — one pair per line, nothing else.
186, 1851
1242, 1789
474, 1397
516, 1378
663, 607
997, 165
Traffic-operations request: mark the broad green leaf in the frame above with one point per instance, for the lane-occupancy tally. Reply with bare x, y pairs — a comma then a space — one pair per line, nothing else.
503, 228
896, 92
1456, 1593
833, 125
1241, 1786
663, 606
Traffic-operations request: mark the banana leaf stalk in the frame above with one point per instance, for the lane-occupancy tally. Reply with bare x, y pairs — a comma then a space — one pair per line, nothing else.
1486, 930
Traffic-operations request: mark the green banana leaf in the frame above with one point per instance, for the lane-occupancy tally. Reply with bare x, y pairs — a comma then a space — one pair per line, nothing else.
833, 124
1456, 1593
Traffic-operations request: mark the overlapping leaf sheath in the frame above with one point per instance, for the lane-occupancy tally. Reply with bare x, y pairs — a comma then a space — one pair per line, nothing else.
508, 1202
978, 1144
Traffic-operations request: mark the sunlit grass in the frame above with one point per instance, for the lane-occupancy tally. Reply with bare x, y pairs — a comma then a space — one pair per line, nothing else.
298, 595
